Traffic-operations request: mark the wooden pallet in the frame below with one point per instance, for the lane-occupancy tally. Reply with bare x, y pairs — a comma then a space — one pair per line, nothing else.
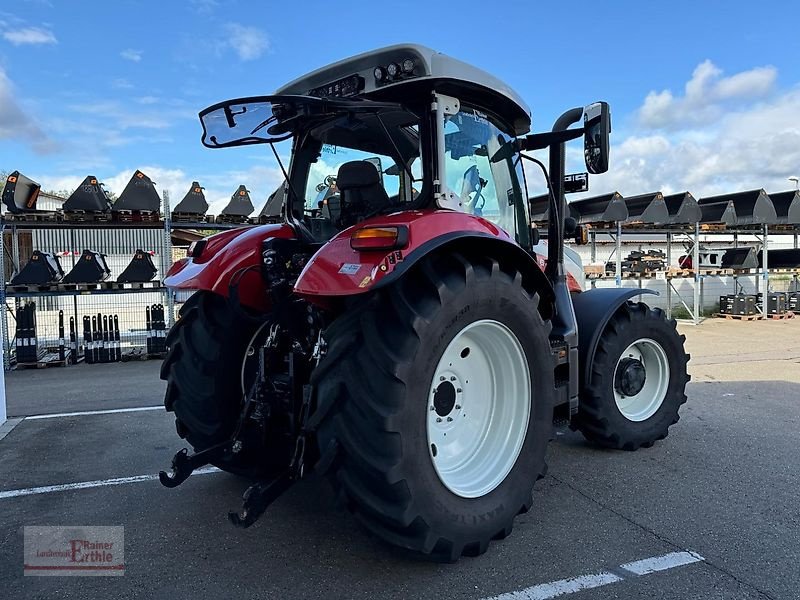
49, 359
81, 287
738, 317
673, 273
136, 216
134, 285
87, 216
704, 271
40, 216
191, 218
713, 227
232, 220
29, 288
784, 317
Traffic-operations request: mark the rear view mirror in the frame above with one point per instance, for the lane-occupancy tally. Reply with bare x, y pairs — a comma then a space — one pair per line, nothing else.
597, 128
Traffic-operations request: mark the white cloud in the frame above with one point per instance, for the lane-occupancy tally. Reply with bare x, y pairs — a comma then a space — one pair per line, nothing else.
249, 43
16, 124
756, 145
120, 83
707, 96
30, 36
132, 55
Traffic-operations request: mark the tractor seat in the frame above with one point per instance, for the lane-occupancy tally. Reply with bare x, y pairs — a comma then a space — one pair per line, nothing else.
359, 184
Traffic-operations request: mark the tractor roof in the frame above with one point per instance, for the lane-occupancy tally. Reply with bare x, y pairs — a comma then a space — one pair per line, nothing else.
431, 70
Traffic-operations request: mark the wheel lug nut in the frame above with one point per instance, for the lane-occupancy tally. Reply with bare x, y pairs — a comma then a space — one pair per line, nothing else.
433, 408
458, 407
438, 419
458, 390
441, 378
452, 378
449, 419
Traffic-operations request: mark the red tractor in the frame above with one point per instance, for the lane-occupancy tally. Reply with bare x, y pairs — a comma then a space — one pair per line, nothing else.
403, 330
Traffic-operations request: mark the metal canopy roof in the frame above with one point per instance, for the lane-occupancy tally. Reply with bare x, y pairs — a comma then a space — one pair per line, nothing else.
752, 207
647, 208
599, 209
683, 208
787, 206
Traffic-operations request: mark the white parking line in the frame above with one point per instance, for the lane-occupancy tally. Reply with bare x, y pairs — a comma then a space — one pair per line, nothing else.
82, 485
661, 563
646, 566
94, 412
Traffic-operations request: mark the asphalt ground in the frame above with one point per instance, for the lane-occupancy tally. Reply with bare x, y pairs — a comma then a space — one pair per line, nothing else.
723, 486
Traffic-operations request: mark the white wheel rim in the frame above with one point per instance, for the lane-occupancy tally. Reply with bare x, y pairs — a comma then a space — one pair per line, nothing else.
478, 407
648, 400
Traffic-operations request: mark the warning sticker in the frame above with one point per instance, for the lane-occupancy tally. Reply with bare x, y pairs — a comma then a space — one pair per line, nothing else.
349, 268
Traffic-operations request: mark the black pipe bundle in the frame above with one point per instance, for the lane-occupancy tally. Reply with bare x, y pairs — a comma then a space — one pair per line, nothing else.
156, 329
73, 342
27, 347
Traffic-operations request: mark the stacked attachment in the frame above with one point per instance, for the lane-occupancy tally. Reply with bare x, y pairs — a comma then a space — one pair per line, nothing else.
27, 348
742, 305
101, 340
683, 209
608, 208
156, 330
43, 268
20, 193
89, 202
90, 268
640, 262
193, 207
753, 207
647, 208
787, 206
140, 269
139, 200
238, 209
739, 258
785, 258
271, 213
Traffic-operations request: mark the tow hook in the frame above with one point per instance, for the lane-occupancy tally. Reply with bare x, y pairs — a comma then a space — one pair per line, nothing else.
184, 463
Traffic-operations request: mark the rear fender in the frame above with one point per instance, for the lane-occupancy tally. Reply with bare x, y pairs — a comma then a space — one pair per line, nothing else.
338, 270
235, 253
593, 310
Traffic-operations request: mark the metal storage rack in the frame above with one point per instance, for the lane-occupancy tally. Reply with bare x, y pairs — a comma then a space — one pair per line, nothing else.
77, 300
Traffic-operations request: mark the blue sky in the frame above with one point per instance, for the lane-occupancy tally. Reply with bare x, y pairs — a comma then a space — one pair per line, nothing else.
704, 95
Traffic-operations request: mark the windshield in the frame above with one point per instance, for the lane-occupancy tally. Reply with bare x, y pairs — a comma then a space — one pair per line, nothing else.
487, 189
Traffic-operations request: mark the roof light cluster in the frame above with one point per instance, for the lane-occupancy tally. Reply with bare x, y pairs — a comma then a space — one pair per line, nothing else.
394, 71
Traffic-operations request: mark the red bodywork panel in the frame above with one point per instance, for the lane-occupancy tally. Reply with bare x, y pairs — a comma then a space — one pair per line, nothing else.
335, 270
224, 255
338, 270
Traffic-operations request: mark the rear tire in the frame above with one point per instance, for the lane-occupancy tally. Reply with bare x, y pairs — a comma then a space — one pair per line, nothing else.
205, 351
376, 394
615, 410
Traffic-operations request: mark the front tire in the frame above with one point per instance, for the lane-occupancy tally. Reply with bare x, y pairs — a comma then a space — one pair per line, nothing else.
638, 380
381, 389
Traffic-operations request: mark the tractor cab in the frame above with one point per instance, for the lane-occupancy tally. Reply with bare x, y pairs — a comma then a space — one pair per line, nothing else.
426, 124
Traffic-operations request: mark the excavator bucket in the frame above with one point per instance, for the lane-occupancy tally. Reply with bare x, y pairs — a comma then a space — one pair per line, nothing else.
753, 207
787, 207
607, 208
43, 268
140, 269
89, 196
540, 208
786, 258
647, 208
739, 258
193, 203
271, 213
683, 209
718, 212
139, 195
20, 193
90, 268
239, 207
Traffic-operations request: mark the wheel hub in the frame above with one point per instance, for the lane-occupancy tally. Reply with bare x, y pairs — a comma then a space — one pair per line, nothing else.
444, 398
630, 377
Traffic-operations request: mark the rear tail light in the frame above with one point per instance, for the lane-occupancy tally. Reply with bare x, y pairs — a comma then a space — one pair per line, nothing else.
379, 238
